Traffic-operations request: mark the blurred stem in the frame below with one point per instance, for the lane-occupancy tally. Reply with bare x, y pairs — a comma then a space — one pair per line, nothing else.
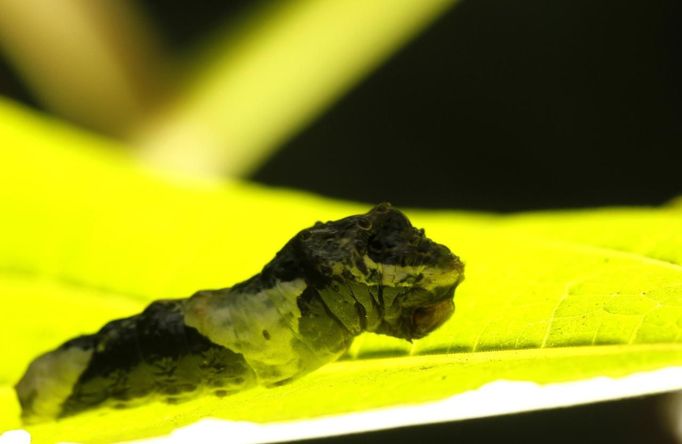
292, 61
91, 61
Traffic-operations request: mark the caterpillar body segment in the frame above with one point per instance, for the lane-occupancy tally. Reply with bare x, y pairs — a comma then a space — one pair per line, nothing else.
329, 283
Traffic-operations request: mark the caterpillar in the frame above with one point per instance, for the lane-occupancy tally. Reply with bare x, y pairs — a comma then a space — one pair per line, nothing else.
373, 272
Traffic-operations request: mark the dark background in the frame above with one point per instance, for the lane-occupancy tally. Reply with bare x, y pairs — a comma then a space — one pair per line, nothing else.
500, 105
509, 105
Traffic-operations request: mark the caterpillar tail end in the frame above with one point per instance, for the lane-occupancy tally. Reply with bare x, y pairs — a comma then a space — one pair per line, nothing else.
50, 378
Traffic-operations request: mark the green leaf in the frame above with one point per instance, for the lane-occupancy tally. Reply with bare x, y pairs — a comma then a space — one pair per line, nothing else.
88, 236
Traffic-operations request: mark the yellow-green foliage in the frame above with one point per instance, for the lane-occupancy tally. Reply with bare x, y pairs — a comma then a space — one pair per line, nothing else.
87, 236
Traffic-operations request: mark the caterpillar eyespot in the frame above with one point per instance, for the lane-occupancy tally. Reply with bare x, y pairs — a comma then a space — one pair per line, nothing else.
372, 272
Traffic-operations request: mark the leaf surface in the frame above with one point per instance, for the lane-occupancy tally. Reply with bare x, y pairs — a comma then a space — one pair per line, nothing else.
87, 236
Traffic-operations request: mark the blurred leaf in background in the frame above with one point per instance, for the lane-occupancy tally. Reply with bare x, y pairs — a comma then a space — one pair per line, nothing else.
237, 98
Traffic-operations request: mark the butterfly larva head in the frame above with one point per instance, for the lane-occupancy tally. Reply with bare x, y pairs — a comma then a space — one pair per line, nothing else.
412, 278
418, 277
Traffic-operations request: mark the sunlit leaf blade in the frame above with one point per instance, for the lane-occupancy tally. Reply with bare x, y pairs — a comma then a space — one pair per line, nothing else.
87, 236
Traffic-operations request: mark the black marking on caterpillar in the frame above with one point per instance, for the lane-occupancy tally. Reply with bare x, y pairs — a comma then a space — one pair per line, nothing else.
329, 283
